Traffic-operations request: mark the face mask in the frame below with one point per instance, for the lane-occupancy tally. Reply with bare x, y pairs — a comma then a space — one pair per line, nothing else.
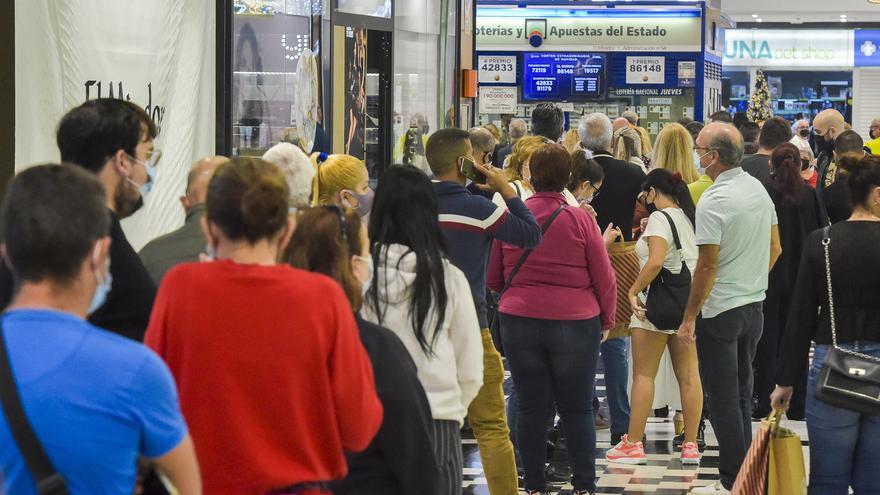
365, 201
211, 252
365, 284
804, 132
805, 164
101, 290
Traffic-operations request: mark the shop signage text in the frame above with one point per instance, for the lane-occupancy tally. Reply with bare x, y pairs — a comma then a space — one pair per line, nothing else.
501, 100
590, 33
645, 70
788, 48
497, 69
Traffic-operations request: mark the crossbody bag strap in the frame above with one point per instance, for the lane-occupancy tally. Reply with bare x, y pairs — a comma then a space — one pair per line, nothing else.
675, 239
527, 252
826, 243
47, 478
518, 190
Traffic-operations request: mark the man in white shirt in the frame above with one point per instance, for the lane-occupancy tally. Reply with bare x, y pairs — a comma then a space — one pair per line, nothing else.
738, 239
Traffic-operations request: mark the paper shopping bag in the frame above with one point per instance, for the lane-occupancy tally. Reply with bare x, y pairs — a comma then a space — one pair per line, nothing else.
787, 475
752, 476
625, 263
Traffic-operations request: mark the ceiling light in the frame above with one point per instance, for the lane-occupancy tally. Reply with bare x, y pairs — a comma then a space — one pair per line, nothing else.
842, 19
843, 16
759, 20
754, 16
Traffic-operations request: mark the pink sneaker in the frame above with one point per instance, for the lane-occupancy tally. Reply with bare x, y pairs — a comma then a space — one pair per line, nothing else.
690, 454
627, 453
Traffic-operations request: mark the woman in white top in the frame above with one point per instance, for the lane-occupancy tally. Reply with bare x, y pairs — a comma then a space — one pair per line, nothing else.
664, 194
426, 301
517, 167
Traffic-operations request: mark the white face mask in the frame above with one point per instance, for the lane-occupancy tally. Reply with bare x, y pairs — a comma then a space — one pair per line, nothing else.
366, 280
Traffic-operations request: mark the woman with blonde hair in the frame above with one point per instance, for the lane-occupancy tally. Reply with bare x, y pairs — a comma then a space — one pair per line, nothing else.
572, 141
341, 180
647, 148
517, 169
628, 146
675, 152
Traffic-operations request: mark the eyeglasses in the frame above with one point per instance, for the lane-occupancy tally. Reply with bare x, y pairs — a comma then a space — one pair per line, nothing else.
697, 148
152, 161
338, 209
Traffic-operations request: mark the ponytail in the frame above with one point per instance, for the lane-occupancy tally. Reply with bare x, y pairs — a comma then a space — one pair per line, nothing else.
787, 180
674, 186
333, 173
317, 158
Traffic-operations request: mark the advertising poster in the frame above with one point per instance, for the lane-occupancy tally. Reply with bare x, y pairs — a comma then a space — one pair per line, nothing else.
355, 91
498, 100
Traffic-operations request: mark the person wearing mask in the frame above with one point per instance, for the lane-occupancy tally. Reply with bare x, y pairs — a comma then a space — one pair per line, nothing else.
801, 135
738, 244
482, 144
628, 147
299, 369
826, 127
667, 195
674, 152
342, 180
836, 195
843, 443
114, 140
517, 131
517, 170
874, 133
548, 121
750, 132
799, 212
297, 169
333, 242
775, 132
614, 207
185, 244
469, 223
699, 187
419, 294
552, 347
586, 180
92, 399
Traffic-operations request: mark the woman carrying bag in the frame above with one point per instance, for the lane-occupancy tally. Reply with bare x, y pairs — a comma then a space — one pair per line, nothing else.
667, 254
835, 305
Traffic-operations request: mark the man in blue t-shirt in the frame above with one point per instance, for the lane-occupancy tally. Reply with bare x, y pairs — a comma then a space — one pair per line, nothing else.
96, 401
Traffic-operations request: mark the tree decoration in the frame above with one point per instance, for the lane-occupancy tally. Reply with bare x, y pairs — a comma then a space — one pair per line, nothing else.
759, 103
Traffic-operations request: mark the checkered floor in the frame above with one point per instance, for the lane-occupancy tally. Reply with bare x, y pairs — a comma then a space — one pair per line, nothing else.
663, 474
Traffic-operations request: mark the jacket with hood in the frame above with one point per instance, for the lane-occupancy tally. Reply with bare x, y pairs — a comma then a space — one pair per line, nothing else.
453, 375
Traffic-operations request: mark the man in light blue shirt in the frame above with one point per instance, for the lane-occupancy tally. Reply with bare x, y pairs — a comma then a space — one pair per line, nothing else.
738, 239
96, 401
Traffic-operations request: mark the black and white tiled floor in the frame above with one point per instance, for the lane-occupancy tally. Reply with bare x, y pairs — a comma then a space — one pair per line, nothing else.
663, 475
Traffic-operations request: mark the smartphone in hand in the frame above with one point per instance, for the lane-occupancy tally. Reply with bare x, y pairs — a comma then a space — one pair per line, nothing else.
469, 170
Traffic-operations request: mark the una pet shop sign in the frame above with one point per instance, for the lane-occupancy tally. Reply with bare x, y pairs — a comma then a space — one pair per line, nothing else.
788, 48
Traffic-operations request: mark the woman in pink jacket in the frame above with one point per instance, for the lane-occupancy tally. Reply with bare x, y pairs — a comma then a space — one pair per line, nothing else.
553, 316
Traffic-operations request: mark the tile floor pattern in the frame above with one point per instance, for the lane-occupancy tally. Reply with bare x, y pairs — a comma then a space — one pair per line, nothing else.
663, 474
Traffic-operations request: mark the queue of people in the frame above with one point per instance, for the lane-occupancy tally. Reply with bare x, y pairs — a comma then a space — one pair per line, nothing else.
305, 334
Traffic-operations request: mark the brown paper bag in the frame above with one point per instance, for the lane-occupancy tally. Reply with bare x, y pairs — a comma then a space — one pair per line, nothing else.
787, 475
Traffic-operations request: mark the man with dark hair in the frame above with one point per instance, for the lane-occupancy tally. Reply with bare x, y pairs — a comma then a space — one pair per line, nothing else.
776, 131
835, 194
738, 239
91, 398
471, 223
750, 132
548, 121
185, 244
721, 116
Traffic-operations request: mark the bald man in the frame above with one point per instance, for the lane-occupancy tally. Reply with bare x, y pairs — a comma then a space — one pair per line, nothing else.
826, 126
619, 123
738, 240
186, 243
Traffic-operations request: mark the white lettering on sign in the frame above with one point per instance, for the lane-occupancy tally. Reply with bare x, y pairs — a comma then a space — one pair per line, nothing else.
788, 48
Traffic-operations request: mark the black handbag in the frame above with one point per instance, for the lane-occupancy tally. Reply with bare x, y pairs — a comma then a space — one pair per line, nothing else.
492, 302
49, 481
848, 379
669, 292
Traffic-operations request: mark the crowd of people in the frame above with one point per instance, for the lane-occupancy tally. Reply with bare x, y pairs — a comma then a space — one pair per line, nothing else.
304, 334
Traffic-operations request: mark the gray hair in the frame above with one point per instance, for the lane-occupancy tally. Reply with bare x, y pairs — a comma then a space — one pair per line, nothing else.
481, 140
297, 169
595, 132
729, 146
517, 128
631, 117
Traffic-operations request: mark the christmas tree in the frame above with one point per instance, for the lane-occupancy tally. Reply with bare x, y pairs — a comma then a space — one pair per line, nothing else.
759, 103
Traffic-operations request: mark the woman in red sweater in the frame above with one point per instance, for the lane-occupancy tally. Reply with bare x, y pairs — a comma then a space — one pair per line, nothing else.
274, 381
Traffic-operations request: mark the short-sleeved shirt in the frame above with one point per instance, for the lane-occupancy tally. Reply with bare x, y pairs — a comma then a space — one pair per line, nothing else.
96, 402
736, 213
658, 225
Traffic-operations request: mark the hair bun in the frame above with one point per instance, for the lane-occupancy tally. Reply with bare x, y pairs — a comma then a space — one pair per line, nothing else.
676, 178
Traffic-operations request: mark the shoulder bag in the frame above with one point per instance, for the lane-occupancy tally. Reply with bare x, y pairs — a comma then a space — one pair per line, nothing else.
49, 481
492, 309
669, 292
848, 379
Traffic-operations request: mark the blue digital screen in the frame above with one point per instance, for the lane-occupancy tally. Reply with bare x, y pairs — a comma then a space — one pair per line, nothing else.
563, 76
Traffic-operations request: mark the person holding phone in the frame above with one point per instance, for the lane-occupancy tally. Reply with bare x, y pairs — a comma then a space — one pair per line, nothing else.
470, 223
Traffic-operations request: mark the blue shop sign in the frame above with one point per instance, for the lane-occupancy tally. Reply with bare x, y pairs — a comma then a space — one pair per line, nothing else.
866, 47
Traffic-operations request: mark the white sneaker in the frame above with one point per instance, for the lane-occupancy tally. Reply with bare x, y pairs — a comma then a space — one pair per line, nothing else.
716, 489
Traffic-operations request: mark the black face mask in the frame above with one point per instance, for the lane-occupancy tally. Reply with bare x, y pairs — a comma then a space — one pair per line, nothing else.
805, 164
804, 132
825, 145
651, 208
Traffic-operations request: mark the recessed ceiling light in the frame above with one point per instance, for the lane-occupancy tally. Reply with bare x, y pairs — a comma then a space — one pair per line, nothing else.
759, 20
842, 19
754, 16
843, 16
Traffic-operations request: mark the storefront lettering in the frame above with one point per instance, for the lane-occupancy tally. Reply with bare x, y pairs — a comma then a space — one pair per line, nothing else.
755, 50
648, 92
156, 112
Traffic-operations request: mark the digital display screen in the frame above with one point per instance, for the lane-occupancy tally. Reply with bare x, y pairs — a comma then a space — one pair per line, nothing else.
563, 76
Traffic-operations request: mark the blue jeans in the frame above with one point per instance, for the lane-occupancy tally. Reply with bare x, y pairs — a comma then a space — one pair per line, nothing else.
616, 364
553, 363
844, 445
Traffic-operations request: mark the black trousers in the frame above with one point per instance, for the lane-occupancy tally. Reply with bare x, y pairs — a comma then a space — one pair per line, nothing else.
776, 308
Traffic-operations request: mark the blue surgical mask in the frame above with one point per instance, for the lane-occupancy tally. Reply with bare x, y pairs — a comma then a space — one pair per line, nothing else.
147, 186
101, 292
